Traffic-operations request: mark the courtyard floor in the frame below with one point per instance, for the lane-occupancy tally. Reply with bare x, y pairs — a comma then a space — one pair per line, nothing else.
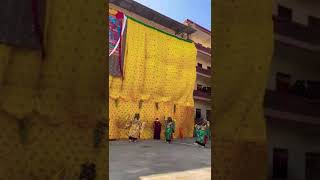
129, 161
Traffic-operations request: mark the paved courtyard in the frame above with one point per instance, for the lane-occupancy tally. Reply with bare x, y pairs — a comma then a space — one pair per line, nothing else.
129, 161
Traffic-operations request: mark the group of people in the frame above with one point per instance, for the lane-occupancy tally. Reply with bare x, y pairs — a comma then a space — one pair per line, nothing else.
202, 132
136, 126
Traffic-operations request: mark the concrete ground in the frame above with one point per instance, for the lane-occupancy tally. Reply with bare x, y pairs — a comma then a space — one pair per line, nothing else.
195, 174
129, 161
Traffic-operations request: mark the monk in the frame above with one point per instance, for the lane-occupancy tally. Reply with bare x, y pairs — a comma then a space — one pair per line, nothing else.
170, 128
157, 129
136, 127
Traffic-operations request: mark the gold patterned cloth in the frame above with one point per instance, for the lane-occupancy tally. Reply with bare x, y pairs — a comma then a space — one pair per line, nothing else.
242, 56
158, 68
56, 95
160, 72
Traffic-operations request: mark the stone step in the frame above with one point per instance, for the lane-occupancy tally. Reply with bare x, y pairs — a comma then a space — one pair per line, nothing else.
196, 174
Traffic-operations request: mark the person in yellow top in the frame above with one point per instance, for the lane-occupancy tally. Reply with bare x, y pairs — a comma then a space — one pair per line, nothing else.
135, 128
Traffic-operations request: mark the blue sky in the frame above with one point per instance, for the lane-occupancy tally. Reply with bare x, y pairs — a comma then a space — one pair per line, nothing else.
198, 11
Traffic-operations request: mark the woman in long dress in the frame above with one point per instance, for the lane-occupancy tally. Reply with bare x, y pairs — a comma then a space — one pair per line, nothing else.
157, 129
170, 128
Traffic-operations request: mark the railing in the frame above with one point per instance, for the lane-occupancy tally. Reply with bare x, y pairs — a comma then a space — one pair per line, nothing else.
204, 71
202, 94
296, 31
202, 48
290, 103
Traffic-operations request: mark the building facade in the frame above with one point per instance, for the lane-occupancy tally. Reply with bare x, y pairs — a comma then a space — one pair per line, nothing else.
202, 89
292, 100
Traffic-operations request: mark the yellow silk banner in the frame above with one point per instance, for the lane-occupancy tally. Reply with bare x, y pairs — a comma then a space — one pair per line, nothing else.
243, 53
158, 68
120, 112
60, 97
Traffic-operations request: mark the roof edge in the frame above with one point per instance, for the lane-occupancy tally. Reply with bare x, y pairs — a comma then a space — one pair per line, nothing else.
199, 26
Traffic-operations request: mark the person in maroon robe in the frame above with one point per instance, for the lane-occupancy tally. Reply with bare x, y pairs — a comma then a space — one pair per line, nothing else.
157, 129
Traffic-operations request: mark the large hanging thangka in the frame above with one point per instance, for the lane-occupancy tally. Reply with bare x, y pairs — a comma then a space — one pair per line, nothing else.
117, 32
159, 79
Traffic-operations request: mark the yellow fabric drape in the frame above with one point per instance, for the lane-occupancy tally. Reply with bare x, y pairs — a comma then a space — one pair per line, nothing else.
242, 56
67, 88
158, 68
66, 82
121, 113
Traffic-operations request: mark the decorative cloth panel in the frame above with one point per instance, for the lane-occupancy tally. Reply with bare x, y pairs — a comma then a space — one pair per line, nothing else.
116, 59
158, 68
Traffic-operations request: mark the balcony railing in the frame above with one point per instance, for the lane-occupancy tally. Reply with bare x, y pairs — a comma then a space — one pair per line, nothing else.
202, 48
204, 71
296, 31
202, 94
285, 102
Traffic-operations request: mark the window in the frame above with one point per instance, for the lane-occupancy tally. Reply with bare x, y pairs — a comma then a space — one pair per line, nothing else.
198, 114
314, 22
280, 163
312, 166
209, 90
314, 25
299, 88
283, 82
284, 13
199, 65
199, 87
204, 89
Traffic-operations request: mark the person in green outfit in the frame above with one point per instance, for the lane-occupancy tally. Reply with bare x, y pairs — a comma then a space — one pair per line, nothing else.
196, 130
202, 133
170, 128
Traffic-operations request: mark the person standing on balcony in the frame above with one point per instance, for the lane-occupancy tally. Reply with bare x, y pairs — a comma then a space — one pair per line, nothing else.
170, 128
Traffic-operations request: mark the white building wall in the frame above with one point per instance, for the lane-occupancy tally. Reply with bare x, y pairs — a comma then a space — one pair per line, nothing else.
202, 81
204, 106
297, 139
205, 60
201, 37
204, 39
